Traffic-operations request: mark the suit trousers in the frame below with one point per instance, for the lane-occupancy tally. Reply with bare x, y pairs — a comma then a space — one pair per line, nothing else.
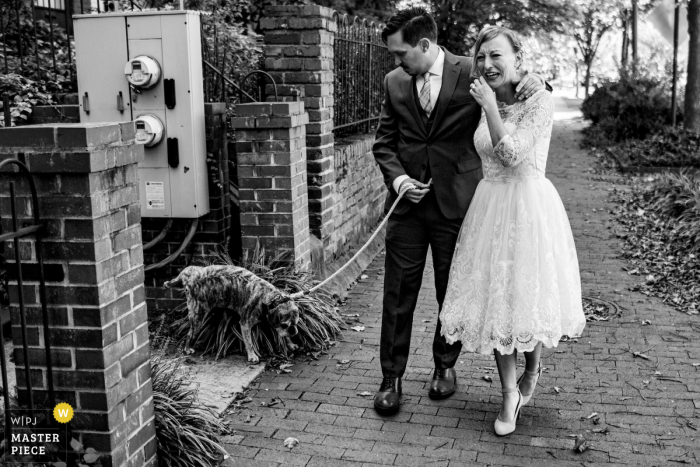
408, 237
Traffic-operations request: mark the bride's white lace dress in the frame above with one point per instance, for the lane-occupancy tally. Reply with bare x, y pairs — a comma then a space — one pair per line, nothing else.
514, 279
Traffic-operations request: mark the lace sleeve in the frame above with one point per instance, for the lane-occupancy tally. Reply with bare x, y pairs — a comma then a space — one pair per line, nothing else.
536, 121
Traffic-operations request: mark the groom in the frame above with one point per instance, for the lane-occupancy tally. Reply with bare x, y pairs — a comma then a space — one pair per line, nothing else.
426, 131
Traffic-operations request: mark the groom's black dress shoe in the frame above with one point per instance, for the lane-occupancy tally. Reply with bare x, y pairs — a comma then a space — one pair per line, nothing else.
387, 402
444, 383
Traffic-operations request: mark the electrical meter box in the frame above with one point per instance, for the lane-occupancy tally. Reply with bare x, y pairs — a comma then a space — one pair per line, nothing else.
147, 67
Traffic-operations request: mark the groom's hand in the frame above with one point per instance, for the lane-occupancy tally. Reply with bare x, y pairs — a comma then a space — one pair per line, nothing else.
414, 194
527, 84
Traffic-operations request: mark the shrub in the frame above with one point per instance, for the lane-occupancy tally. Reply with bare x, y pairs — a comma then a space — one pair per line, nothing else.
24, 94
186, 430
319, 320
671, 147
633, 107
676, 198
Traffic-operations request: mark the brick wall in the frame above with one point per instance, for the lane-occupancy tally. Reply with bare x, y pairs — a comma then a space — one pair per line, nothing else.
358, 193
86, 179
345, 188
299, 56
214, 229
271, 152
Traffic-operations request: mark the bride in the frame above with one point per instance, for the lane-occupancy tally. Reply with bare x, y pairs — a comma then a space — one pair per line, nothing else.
514, 281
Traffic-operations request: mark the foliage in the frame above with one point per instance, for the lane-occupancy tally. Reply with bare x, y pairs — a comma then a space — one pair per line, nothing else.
671, 147
373, 10
319, 321
593, 19
54, 66
186, 430
659, 222
459, 21
634, 106
24, 94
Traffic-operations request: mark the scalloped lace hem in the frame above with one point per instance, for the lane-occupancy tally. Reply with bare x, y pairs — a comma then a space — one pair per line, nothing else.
487, 347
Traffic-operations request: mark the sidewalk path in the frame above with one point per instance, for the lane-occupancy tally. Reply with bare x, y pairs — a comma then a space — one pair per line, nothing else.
650, 421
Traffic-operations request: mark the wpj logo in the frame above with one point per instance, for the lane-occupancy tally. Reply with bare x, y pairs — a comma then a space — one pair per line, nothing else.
33, 435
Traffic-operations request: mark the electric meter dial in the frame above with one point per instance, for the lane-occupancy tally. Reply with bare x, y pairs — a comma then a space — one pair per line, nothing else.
143, 72
149, 130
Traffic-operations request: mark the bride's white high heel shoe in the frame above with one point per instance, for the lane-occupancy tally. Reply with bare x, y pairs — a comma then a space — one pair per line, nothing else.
538, 373
506, 428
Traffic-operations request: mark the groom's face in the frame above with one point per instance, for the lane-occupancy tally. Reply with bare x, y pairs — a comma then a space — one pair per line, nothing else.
414, 60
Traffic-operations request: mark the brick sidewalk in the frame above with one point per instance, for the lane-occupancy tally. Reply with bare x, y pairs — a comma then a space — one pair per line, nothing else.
650, 421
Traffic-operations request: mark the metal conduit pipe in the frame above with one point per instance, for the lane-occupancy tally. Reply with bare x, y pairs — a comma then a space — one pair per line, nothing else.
174, 256
160, 236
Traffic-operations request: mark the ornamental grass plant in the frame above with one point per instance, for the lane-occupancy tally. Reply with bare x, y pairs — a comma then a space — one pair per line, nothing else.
319, 321
186, 430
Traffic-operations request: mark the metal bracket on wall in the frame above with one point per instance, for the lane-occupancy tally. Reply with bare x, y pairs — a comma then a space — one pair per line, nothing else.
86, 103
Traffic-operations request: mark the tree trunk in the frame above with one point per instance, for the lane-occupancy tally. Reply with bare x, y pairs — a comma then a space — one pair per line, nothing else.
587, 81
692, 90
625, 43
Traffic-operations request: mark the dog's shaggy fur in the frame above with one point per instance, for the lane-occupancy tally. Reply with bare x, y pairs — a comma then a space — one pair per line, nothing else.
238, 289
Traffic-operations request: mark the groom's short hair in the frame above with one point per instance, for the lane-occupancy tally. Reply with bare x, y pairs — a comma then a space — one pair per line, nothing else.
415, 23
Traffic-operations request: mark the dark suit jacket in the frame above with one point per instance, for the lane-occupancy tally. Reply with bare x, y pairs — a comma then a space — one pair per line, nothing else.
403, 145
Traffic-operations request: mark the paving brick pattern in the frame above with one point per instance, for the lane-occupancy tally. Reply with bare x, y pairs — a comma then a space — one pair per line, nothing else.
651, 421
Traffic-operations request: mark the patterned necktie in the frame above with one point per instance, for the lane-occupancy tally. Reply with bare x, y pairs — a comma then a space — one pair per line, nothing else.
425, 95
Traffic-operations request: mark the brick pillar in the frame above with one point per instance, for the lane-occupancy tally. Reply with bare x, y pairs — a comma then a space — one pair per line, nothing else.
299, 56
87, 183
271, 154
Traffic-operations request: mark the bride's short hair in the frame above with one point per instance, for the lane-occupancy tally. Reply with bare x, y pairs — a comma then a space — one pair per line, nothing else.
491, 32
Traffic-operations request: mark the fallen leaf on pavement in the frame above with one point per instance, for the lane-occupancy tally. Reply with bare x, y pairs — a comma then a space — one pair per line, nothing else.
592, 415
358, 328
646, 321
581, 444
364, 393
487, 378
557, 390
290, 442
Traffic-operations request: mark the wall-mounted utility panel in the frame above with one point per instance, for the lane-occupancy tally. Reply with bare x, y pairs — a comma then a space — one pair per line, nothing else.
147, 67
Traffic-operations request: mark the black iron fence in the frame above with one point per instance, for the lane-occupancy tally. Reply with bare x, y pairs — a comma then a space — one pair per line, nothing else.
361, 60
36, 39
28, 394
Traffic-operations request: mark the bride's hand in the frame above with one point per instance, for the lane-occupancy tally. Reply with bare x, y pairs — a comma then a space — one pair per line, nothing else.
483, 94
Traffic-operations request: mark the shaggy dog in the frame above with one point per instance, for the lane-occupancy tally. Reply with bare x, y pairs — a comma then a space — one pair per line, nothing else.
238, 289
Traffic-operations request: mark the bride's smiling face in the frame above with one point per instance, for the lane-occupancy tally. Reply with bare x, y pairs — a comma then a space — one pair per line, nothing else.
497, 61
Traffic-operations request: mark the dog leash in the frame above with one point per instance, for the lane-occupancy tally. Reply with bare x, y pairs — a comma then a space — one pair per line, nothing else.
403, 190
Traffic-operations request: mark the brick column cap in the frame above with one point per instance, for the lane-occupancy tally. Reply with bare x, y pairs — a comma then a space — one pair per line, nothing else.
67, 136
270, 109
72, 147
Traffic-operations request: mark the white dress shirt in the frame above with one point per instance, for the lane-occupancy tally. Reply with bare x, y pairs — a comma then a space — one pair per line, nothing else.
435, 86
